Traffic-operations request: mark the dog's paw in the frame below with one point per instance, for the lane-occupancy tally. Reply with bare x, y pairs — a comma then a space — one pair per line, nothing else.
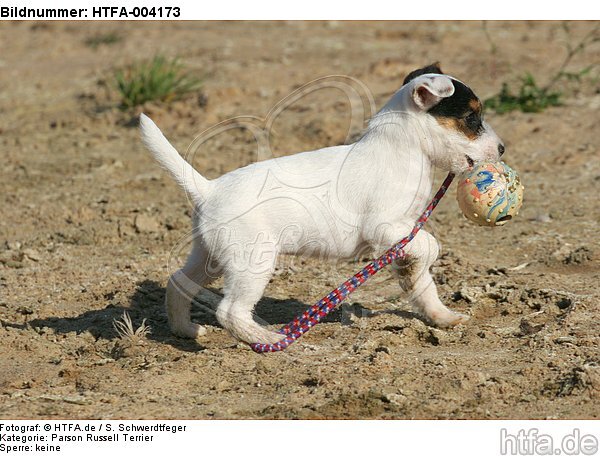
189, 331
267, 337
448, 319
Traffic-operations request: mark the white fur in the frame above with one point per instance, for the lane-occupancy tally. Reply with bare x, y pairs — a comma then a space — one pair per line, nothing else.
330, 203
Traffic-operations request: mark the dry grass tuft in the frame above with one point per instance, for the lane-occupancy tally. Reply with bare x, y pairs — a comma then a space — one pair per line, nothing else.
124, 328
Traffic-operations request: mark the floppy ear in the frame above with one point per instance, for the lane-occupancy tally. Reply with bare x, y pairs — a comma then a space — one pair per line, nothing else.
430, 90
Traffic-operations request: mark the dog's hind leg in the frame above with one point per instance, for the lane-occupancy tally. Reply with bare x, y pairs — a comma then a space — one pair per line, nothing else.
183, 286
235, 312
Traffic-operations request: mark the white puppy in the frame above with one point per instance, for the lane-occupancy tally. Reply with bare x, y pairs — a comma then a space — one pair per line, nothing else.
330, 203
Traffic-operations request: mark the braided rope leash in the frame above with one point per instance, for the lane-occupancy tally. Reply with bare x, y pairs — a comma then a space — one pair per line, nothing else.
301, 324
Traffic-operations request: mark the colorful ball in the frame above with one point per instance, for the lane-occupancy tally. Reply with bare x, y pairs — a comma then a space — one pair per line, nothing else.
490, 194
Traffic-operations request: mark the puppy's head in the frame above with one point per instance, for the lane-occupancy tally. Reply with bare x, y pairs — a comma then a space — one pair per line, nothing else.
453, 117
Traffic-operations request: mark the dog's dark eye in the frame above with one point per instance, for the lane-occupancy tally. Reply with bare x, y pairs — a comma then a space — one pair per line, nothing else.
473, 121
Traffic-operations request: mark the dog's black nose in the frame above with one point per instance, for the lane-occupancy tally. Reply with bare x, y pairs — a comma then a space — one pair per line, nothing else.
501, 149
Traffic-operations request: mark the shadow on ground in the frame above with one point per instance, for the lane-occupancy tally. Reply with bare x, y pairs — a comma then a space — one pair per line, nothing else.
147, 302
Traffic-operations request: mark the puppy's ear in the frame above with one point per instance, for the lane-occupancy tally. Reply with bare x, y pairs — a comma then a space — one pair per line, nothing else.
430, 90
434, 68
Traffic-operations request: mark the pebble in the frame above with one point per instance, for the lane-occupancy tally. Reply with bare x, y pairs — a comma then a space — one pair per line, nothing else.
14, 245
393, 398
32, 254
565, 340
145, 224
469, 294
25, 310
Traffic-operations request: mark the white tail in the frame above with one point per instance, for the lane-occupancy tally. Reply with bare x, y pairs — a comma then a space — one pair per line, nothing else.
183, 173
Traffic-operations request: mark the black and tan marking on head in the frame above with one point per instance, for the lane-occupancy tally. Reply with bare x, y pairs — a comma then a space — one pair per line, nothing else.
461, 112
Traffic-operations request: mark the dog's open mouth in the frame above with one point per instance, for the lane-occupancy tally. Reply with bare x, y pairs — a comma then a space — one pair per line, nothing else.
470, 161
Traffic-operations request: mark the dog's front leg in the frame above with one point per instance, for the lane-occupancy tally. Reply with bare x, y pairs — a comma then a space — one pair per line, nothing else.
413, 273
415, 278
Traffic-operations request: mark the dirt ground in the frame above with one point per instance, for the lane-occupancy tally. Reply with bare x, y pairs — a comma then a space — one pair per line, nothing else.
89, 223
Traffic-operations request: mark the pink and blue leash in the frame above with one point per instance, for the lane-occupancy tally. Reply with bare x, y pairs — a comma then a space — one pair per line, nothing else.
301, 324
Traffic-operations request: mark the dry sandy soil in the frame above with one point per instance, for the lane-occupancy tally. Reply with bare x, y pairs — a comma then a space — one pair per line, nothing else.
89, 223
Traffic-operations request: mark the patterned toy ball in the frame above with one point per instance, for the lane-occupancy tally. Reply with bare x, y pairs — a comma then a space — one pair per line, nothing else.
490, 194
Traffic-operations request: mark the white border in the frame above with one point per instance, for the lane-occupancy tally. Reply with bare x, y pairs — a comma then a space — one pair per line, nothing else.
314, 438
349, 9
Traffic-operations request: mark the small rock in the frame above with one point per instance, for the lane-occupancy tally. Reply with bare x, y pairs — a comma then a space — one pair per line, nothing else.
14, 245
468, 294
437, 336
527, 328
25, 310
202, 100
561, 253
565, 340
564, 303
32, 254
145, 224
579, 256
382, 349
393, 398
570, 255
